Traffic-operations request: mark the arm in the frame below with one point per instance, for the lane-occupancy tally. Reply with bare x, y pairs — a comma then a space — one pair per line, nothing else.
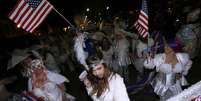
187, 66
120, 93
154, 62
30, 85
149, 63
185, 61
185, 72
84, 79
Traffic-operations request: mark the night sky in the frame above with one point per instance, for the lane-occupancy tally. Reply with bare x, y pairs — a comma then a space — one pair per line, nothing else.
71, 7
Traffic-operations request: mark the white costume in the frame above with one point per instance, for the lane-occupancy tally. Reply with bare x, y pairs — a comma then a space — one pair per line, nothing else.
165, 83
79, 45
122, 59
53, 77
107, 56
121, 51
50, 92
116, 92
140, 59
189, 94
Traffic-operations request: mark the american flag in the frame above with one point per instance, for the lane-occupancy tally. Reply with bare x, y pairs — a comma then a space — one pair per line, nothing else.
142, 22
29, 14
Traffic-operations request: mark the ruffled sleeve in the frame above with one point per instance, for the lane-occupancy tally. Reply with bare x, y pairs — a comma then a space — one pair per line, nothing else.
154, 62
56, 78
185, 61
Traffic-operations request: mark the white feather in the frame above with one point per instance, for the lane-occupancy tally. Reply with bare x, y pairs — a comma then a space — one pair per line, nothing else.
81, 55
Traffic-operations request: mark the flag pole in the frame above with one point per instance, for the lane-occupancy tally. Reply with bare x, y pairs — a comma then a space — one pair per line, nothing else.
63, 17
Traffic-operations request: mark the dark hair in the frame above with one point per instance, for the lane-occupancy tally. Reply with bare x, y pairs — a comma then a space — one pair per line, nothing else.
94, 57
98, 85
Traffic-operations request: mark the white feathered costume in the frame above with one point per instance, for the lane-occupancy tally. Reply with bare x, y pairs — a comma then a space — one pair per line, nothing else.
165, 83
140, 58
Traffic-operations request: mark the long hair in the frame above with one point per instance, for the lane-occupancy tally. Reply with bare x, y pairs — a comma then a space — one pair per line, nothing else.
99, 85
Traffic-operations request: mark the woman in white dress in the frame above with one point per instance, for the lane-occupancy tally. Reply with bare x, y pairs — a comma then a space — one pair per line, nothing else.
41, 86
171, 68
121, 53
104, 85
47, 85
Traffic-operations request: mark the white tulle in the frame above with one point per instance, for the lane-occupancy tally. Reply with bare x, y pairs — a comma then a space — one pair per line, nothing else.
121, 51
188, 94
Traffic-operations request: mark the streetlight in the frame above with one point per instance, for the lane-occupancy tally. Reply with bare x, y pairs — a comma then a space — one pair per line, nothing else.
87, 9
65, 29
107, 8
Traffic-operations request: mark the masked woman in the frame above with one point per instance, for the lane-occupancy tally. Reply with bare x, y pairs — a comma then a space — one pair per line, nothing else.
41, 86
171, 68
103, 84
44, 84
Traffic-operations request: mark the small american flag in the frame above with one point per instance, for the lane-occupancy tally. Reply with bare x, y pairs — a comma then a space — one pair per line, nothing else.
142, 23
29, 14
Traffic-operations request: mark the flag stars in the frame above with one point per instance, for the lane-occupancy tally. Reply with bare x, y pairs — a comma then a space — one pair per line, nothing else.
33, 3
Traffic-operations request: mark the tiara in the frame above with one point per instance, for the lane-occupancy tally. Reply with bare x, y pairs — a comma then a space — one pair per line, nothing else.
96, 63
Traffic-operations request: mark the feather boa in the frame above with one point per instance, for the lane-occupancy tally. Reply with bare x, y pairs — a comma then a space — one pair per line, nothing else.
79, 45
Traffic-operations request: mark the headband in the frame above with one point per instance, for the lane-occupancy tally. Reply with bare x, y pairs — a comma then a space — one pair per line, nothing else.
37, 63
96, 63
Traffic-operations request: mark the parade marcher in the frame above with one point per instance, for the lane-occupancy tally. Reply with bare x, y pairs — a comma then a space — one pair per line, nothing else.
79, 48
26, 60
171, 68
107, 51
121, 55
42, 87
141, 48
102, 84
189, 33
51, 82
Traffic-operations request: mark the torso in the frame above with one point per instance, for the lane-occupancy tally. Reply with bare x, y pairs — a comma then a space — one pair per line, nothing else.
108, 95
